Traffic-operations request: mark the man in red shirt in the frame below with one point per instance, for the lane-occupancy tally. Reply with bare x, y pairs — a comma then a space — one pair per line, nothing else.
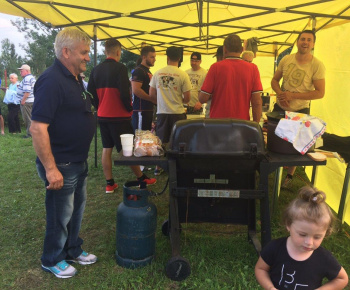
233, 85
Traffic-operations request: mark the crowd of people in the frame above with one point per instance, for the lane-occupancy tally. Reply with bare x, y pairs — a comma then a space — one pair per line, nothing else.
57, 110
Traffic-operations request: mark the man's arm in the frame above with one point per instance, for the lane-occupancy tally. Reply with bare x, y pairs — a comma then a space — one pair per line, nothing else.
256, 103
317, 93
187, 97
42, 147
139, 92
203, 97
275, 82
25, 96
153, 94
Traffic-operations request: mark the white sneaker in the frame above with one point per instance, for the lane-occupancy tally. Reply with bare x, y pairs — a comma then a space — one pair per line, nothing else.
61, 270
84, 259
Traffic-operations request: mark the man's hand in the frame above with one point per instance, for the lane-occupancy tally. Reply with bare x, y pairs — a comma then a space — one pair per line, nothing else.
197, 106
285, 96
55, 179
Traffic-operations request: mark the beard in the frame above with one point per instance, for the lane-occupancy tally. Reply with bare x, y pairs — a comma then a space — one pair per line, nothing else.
149, 63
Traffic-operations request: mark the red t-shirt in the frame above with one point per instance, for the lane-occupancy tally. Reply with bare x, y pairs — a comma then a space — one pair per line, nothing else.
231, 83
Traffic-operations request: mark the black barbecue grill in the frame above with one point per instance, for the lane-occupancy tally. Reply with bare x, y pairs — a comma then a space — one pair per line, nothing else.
212, 175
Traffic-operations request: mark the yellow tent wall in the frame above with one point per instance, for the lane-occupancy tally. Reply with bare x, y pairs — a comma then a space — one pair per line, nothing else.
332, 47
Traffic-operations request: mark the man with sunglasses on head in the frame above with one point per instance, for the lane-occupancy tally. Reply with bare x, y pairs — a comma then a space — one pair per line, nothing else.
62, 129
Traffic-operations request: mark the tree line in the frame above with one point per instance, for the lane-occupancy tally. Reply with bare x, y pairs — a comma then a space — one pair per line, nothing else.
39, 50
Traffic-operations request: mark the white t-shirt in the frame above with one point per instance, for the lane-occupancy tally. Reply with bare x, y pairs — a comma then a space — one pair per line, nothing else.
170, 82
299, 78
197, 78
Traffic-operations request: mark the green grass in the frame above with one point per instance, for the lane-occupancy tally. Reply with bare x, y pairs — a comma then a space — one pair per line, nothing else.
220, 256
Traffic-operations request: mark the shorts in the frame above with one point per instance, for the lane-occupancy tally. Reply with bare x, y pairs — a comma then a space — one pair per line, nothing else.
165, 123
111, 131
142, 120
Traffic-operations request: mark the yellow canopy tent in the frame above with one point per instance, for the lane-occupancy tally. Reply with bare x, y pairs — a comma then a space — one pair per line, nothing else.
202, 25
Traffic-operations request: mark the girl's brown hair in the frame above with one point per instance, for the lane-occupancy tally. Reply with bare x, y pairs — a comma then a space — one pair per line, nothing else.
310, 205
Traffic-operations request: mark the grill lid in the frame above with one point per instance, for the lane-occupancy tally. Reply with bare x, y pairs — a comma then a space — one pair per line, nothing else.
210, 137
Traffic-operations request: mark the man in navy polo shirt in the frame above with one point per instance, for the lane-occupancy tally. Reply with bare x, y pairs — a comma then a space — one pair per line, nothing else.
62, 129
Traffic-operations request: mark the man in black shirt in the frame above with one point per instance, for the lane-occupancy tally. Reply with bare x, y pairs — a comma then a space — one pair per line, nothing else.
141, 77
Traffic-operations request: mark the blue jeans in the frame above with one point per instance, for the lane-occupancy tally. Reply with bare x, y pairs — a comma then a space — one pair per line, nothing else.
64, 213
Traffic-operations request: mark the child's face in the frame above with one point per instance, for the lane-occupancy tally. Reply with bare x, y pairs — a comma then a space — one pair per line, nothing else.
306, 236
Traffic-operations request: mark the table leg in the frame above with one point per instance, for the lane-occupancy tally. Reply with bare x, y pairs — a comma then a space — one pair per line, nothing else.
276, 187
344, 194
314, 174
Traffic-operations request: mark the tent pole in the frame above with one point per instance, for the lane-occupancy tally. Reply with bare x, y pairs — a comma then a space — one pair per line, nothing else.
95, 63
275, 62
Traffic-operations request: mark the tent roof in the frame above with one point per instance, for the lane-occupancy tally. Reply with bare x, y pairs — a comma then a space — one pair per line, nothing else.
199, 25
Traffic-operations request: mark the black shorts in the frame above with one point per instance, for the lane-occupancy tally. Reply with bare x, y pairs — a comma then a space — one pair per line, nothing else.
165, 123
111, 131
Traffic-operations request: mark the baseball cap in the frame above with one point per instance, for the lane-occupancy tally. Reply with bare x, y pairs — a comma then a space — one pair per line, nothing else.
197, 54
219, 51
24, 66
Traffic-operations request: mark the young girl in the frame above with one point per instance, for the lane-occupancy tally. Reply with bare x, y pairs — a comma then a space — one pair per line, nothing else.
298, 262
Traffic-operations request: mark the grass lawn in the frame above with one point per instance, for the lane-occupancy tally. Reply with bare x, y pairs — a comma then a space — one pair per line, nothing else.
220, 256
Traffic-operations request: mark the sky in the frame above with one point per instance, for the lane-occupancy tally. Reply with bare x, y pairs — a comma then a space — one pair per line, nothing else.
7, 30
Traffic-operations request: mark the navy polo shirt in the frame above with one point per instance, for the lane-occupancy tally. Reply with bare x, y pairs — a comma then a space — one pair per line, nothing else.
60, 102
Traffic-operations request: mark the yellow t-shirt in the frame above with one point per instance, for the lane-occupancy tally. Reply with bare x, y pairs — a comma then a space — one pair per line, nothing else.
299, 78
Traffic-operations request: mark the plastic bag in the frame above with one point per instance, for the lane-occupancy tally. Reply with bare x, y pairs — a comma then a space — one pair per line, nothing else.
147, 144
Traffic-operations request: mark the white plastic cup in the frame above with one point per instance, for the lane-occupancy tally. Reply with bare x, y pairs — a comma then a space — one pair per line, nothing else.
127, 150
127, 141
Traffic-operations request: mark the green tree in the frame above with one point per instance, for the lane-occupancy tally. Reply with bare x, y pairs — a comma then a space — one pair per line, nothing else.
9, 59
39, 48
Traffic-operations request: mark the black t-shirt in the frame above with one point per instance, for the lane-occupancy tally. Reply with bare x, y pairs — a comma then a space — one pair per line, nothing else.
287, 273
143, 75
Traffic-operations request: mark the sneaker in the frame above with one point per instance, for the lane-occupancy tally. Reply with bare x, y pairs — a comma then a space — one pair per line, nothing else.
158, 171
111, 188
147, 180
287, 183
84, 259
61, 270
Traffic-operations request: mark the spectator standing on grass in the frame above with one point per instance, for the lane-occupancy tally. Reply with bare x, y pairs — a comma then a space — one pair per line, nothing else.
233, 85
142, 116
13, 105
62, 128
26, 97
303, 80
170, 87
2, 125
110, 87
197, 75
